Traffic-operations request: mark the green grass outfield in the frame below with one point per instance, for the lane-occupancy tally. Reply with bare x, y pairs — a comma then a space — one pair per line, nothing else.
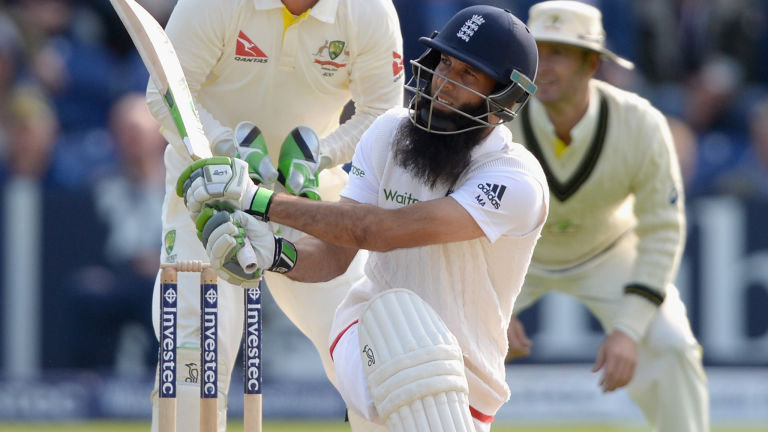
315, 426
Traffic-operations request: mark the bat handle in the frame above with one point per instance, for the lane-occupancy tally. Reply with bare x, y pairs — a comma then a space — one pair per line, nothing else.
246, 257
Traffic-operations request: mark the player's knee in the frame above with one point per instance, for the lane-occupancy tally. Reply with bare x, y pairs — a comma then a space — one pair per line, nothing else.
665, 338
413, 365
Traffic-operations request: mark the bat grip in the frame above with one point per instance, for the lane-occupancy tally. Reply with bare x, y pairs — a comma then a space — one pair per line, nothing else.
246, 257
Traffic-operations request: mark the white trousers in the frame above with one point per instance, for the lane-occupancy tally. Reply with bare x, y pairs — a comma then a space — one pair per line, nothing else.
669, 384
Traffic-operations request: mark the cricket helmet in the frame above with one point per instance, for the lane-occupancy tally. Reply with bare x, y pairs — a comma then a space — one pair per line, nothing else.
490, 39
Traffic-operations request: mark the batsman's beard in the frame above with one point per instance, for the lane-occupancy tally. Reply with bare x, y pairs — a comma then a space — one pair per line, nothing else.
439, 159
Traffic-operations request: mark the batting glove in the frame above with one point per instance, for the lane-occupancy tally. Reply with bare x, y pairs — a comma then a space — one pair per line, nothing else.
223, 234
222, 183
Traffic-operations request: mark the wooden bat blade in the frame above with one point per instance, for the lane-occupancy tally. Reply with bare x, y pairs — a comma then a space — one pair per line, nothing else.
160, 59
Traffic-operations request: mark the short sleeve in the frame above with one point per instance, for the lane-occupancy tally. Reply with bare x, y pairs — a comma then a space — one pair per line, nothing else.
503, 202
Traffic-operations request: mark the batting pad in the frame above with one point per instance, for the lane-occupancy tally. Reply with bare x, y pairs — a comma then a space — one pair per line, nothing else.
413, 365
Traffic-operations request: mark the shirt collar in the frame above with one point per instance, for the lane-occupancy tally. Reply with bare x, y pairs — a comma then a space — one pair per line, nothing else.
584, 129
324, 10
495, 141
581, 131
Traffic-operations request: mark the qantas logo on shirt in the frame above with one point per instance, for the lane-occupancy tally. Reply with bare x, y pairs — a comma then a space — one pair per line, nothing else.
397, 64
493, 193
247, 51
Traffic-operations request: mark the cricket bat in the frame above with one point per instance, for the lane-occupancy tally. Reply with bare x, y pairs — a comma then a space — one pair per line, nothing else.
165, 71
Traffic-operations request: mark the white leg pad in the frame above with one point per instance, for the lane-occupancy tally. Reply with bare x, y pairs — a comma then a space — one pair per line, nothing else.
413, 365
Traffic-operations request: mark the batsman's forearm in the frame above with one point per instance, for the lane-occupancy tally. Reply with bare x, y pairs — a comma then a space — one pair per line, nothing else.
339, 223
320, 261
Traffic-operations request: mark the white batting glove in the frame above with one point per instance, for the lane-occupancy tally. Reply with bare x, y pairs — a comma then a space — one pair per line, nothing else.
223, 234
223, 183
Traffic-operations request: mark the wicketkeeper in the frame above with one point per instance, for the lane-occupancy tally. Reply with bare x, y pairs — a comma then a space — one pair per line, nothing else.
276, 66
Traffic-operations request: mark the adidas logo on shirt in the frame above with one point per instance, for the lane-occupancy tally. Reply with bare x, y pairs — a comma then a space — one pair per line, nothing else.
247, 51
493, 193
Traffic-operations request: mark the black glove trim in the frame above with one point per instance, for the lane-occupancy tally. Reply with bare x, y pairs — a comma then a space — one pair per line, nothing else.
652, 295
285, 256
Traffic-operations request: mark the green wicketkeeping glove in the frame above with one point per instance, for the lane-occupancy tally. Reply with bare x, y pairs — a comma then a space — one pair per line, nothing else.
298, 163
252, 148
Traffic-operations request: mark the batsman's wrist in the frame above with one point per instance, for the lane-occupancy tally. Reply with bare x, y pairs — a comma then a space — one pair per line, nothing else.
259, 205
324, 163
285, 256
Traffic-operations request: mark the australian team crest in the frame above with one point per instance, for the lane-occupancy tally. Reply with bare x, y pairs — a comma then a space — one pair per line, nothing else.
335, 48
331, 57
170, 241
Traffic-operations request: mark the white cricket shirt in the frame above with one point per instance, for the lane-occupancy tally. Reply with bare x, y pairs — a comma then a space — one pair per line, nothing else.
472, 284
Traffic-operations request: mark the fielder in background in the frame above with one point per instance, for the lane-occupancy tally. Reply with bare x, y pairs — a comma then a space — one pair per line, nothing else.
276, 65
616, 227
450, 209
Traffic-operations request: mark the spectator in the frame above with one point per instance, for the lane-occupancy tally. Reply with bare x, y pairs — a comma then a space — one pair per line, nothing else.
686, 147
115, 299
24, 175
748, 177
10, 47
32, 130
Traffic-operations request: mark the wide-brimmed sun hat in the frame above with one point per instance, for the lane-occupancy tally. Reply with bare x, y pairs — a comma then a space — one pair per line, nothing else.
572, 23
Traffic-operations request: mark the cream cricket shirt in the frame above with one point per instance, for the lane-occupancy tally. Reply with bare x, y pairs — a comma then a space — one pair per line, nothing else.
473, 284
243, 61
619, 173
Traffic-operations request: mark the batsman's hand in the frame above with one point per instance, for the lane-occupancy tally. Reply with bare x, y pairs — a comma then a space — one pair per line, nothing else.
298, 163
617, 358
222, 183
223, 234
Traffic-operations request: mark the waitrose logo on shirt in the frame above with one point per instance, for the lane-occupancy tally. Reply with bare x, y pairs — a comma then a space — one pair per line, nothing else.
402, 198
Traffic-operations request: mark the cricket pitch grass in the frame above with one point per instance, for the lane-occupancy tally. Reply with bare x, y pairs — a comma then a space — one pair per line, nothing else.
308, 426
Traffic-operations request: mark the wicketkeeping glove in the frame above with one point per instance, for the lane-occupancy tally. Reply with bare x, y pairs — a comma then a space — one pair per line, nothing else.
222, 183
246, 142
252, 148
298, 162
223, 234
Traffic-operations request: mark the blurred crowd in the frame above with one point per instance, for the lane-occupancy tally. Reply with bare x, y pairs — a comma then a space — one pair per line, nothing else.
73, 122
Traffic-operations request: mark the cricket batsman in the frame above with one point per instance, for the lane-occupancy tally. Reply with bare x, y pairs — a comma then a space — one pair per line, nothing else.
450, 209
